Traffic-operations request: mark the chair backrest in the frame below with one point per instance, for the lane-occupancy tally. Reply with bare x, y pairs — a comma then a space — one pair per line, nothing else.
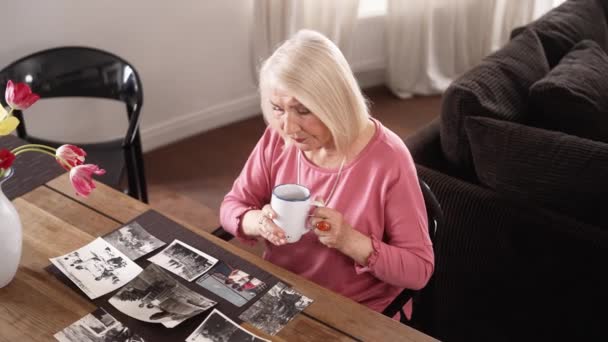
74, 71
79, 72
433, 209
435, 217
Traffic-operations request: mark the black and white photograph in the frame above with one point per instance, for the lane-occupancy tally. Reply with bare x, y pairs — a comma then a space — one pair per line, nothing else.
183, 260
133, 240
217, 327
98, 326
156, 297
232, 284
97, 268
276, 308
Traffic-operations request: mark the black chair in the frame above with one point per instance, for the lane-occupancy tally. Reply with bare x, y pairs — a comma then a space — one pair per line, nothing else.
93, 73
434, 217
222, 234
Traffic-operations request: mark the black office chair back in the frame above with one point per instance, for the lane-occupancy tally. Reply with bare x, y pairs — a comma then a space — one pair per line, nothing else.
435, 217
433, 209
88, 72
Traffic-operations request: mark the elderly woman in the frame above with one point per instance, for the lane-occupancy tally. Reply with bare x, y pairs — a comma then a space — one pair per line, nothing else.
371, 238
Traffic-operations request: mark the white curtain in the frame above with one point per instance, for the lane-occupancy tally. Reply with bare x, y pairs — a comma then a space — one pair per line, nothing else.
276, 20
431, 42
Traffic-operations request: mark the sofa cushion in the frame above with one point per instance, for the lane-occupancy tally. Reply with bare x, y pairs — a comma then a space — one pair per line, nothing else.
564, 26
573, 97
497, 88
552, 169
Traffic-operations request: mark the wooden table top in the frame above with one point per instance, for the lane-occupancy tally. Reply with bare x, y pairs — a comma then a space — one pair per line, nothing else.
36, 305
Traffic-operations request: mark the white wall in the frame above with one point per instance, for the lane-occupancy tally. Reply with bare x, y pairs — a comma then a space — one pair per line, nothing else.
192, 55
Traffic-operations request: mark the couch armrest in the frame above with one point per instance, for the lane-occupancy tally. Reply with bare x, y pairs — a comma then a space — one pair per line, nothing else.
425, 148
505, 268
516, 31
424, 144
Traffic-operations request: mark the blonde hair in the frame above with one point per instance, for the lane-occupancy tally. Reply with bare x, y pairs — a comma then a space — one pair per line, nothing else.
313, 69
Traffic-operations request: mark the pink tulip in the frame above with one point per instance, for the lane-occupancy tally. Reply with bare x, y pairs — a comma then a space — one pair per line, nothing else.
19, 96
81, 177
71, 155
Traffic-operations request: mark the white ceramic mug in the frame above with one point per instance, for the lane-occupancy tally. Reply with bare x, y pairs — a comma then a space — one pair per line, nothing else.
292, 204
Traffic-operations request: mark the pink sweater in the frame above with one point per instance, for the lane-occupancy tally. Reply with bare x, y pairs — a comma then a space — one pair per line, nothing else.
378, 194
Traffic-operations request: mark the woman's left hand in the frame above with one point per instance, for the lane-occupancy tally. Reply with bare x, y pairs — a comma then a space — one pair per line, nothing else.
331, 228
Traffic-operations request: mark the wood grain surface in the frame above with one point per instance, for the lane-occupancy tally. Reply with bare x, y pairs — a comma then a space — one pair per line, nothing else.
36, 305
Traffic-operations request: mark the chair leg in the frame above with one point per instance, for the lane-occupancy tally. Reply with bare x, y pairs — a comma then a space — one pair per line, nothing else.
141, 174
131, 173
402, 316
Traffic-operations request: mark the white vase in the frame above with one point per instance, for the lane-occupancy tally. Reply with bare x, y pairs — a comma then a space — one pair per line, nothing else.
11, 236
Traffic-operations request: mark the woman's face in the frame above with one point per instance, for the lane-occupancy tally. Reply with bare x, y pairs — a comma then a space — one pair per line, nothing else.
297, 123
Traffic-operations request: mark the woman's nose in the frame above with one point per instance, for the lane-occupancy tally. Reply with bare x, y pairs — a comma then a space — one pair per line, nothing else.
290, 124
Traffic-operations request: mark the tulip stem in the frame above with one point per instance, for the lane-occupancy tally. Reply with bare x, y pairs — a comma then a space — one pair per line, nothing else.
27, 146
33, 149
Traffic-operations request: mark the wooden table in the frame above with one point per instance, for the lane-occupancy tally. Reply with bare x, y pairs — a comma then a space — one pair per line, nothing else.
35, 305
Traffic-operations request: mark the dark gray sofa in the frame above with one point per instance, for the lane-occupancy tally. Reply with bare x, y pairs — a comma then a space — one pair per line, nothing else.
523, 248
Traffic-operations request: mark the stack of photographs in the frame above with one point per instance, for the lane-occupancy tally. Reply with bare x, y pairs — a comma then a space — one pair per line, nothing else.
276, 308
152, 295
232, 284
183, 260
97, 268
155, 297
133, 240
219, 328
98, 326
106, 264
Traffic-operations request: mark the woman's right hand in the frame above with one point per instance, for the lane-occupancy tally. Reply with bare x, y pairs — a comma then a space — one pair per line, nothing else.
259, 223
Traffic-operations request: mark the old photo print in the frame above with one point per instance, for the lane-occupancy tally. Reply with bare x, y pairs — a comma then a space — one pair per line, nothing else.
275, 309
183, 260
97, 268
232, 284
133, 240
98, 326
217, 327
155, 297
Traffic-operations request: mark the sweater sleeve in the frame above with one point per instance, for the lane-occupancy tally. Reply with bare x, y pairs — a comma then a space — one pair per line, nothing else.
252, 188
404, 257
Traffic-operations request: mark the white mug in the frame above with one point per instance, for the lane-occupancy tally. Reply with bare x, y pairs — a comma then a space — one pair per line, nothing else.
292, 204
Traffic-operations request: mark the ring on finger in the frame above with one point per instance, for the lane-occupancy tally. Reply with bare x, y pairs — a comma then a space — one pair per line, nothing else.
323, 226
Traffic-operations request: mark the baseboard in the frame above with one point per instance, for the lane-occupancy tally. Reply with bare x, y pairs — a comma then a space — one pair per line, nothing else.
370, 73
185, 126
370, 78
